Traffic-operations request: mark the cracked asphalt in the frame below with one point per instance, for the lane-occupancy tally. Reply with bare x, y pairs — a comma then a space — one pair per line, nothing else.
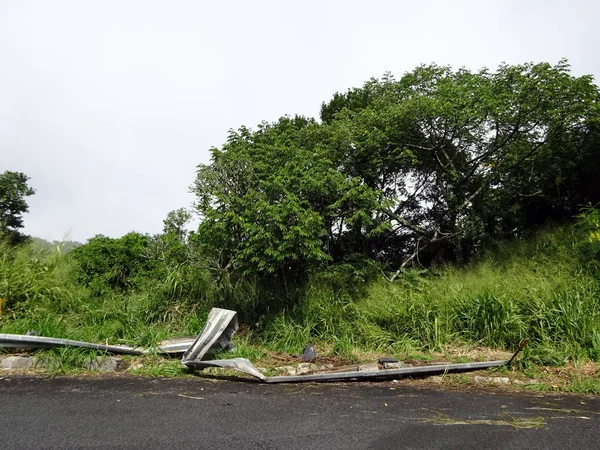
131, 412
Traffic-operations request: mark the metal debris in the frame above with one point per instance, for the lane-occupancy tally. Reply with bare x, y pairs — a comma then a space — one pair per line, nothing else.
220, 326
391, 363
176, 345
385, 373
241, 364
31, 341
216, 336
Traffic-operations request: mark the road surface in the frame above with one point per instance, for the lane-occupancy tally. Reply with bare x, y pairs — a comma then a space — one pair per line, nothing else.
128, 412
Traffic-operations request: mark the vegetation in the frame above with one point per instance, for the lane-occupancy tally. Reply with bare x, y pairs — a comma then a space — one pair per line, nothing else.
13, 190
437, 164
442, 209
64, 246
531, 288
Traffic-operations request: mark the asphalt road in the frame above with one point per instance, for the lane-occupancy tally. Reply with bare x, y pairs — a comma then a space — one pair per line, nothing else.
126, 412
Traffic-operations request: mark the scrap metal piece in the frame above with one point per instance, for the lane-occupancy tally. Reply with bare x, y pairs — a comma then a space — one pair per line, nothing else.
244, 365
241, 364
216, 335
386, 359
32, 342
176, 345
386, 373
181, 345
220, 326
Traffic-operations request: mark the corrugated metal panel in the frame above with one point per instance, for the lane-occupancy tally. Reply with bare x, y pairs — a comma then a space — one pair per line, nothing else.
220, 326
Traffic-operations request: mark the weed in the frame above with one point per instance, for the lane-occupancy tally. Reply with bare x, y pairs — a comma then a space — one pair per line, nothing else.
502, 420
159, 367
584, 385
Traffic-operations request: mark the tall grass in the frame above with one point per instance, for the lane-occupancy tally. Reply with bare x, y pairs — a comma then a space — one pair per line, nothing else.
535, 288
532, 289
39, 292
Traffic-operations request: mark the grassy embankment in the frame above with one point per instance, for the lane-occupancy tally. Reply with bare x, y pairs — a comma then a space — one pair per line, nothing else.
535, 288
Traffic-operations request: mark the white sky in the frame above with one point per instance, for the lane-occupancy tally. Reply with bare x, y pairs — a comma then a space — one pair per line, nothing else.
109, 105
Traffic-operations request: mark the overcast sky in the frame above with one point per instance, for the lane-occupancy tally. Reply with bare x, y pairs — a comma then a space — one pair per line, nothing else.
109, 106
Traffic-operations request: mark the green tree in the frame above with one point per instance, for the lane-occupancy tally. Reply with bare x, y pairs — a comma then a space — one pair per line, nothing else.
13, 191
431, 166
170, 249
461, 155
176, 222
273, 202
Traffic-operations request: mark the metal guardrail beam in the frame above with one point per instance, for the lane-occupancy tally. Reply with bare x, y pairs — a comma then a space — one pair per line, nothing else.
386, 373
25, 341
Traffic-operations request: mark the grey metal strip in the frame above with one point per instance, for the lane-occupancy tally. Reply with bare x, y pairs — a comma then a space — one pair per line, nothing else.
24, 341
386, 373
176, 345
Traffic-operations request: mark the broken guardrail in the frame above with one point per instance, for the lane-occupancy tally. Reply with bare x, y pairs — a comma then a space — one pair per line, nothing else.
216, 335
221, 325
33, 342
382, 374
170, 347
219, 328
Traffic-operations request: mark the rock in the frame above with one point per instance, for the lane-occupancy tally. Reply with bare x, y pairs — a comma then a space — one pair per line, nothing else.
368, 367
309, 354
530, 381
491, 380
107, 364
17, 362
304, 368
287, 370
393, 365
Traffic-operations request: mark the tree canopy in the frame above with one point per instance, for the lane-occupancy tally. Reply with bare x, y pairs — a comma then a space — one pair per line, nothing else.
432, 165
